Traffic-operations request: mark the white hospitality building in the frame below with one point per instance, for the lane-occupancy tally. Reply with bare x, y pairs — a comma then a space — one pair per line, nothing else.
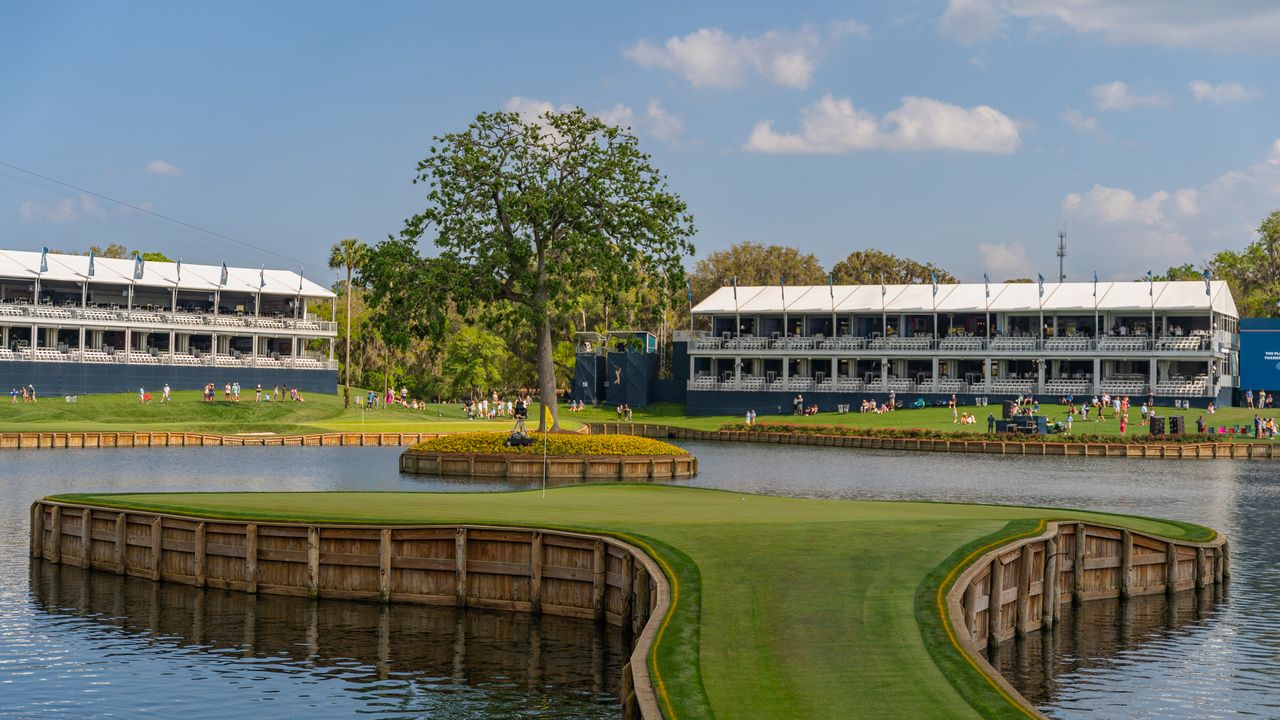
1175, 340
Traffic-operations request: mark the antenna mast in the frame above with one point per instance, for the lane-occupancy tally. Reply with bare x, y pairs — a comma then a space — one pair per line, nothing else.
1062, 254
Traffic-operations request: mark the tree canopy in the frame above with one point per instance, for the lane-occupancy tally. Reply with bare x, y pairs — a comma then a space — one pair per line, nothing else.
869, 267
526, 218
755, 264
1254, 273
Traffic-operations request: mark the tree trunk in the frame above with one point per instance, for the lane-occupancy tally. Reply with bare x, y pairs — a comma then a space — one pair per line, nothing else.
546, 378
346, 392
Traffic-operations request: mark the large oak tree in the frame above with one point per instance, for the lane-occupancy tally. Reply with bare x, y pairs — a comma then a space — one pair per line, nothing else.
756, 264
525, 217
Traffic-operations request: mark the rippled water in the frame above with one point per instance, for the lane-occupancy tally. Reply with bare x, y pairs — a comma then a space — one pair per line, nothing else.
63, 650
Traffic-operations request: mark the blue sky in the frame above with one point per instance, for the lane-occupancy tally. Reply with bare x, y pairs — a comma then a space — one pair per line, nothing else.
963, 132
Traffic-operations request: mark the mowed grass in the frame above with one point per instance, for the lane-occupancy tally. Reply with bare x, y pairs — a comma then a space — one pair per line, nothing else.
786, 607
189, 413
929, 418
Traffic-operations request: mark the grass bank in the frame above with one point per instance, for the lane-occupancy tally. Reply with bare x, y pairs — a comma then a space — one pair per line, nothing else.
934, 419
785, 607
189, 413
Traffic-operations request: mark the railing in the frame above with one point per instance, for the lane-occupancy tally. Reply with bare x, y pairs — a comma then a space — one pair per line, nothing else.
954, 343
136, 357
141, 316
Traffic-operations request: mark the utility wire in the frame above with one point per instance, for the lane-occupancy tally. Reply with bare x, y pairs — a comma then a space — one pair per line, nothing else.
148, 214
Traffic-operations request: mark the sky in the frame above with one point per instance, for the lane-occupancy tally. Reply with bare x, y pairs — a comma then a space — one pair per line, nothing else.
967, 133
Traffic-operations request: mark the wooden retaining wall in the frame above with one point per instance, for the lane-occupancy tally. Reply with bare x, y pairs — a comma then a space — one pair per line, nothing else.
500, 568
1019, 587
54, 440
587, 468
977, 445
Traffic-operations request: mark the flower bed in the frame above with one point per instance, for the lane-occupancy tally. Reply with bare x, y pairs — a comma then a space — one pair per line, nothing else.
558, 444
923, 434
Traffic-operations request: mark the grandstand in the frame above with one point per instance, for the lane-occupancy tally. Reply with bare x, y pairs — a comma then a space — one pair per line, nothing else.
1174, 340
180, 323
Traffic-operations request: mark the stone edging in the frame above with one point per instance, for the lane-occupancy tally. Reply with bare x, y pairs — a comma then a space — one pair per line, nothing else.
993, 447
586, 468
518, 569
1118, 563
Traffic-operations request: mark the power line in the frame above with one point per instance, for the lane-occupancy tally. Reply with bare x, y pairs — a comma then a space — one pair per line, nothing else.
149, 214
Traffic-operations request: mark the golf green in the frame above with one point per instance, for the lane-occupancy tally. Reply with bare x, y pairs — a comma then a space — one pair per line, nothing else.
782, 607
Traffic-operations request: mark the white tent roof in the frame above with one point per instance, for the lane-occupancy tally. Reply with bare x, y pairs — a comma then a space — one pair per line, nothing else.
972, 297
25, 265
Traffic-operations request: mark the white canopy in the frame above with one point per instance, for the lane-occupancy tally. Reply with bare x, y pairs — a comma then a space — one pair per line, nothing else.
1078, 297
24, 265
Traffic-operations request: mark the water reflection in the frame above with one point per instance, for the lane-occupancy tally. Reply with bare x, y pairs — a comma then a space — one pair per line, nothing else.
390, 660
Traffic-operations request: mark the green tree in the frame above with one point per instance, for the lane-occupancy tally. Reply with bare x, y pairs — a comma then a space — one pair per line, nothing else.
871, 267
755, 264
1254, 273
113, 250
1180, 272
528, 214
473, 361
156, 257
348, 254
1021, 281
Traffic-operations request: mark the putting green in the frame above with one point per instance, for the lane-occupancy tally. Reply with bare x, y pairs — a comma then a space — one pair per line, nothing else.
784, 607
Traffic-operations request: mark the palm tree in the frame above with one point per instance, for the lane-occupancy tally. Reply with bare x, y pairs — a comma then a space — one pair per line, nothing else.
348, 253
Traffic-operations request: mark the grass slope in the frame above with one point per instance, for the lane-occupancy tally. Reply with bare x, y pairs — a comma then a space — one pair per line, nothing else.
787, 607
188, 413
925, 418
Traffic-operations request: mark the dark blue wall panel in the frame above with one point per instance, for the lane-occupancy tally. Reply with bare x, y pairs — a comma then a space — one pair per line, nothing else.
1260, 354
717, 402
71, 378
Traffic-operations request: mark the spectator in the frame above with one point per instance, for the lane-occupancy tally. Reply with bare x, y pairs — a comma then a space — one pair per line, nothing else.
165, 395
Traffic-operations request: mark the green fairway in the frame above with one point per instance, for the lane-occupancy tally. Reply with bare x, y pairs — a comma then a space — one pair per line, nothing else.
784, 607
925, 418
189, 413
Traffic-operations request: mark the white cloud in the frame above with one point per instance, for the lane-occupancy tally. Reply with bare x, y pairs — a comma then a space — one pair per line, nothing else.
656, 121
1005, 261
711, 57
1220, 94
1119, 228
1085, 125
662, 124
161, 167
971, 21
61, 210
1117, 96
834, 126
1248, 26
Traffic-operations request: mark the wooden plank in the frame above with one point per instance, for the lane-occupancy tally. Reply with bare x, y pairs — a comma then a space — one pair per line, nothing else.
993, 604
598, 580
55, 531
971, 609
1126, 563
628, 578
1077, 555
1022, 604
313, 562
460, 567
86, 537
157, 536
1049, 592
384, 565
251, 557
535, 573
199, 551
122, 543
37, 529
1200, 567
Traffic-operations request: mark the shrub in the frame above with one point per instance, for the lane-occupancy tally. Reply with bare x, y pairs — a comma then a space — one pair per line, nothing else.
925, 434
557, 444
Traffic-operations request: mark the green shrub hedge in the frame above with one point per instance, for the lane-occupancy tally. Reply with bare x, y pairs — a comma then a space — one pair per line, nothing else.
557, 444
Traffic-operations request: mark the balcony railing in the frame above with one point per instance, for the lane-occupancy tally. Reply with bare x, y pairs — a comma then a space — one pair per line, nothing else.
162, 357
185, 321
1193, 387
817, 344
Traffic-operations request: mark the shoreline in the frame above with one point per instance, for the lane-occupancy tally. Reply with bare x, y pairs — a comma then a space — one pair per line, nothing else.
1189, 451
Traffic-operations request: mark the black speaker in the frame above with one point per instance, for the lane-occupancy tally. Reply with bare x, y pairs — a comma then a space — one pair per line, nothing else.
1007, 409
1177, 425
1157, 425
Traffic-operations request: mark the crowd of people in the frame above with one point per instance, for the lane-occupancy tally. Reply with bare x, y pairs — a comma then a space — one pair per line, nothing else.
26, 392
231, 393
1262, 401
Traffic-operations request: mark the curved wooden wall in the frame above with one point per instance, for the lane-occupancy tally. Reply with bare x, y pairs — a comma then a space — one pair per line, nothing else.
1068, 562
501, 568
530, 467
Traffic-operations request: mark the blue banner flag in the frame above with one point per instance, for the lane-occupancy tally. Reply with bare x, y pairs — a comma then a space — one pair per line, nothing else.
689, 287
137, 266
1206, 283
1041, 280
262, 277
934, 278
179, 269
44, 260
90, 263
986, 285
222, 281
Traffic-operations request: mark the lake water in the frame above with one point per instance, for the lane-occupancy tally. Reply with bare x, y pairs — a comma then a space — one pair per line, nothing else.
77, 644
